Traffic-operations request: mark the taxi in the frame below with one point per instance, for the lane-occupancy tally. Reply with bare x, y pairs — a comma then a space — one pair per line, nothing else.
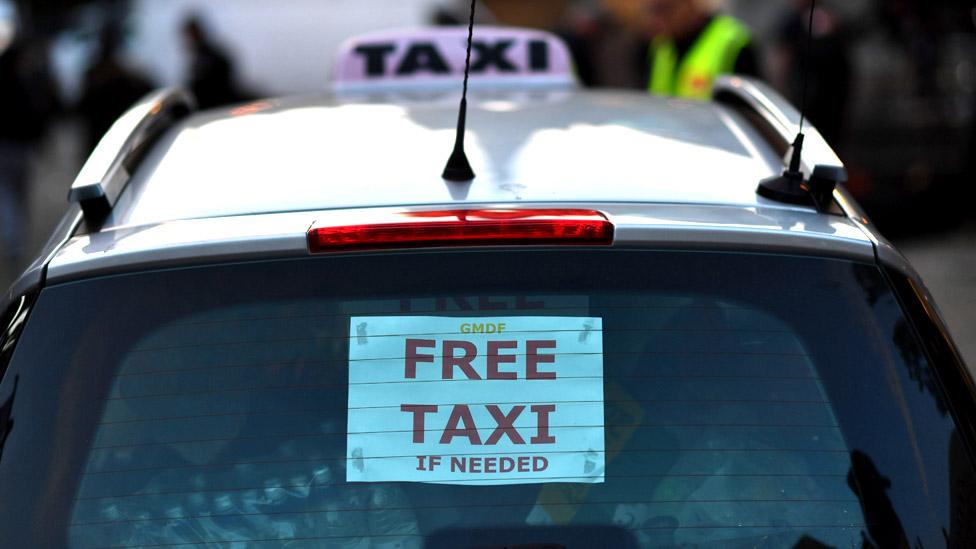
277, 324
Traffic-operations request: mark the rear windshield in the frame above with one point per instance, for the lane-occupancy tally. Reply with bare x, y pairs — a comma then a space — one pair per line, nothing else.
481, 399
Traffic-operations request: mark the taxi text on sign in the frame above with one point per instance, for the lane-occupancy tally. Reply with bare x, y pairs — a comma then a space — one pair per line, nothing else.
480, 400
430, 57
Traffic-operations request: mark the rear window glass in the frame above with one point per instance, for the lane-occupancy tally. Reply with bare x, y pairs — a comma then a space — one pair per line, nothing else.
625, 399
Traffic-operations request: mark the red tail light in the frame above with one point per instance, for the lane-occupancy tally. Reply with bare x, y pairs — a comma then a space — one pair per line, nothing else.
467, 228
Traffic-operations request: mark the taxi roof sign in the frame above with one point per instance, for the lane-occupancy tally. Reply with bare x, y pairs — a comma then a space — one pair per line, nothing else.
434, 58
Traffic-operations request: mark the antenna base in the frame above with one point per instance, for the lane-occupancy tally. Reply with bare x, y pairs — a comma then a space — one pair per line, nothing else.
788, 187
458, 168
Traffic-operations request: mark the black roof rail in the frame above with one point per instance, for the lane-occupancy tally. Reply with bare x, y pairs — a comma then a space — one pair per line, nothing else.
780, 122
107, 171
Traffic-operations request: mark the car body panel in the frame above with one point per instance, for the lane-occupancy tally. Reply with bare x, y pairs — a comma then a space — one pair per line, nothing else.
246, 182
331, 153
281, 235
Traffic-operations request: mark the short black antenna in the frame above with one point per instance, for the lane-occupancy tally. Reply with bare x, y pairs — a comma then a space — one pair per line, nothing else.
798, 142
790, 186
458, 168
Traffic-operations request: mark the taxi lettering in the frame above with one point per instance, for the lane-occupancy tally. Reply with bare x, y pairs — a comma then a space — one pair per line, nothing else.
425, 57
496, 424
435, 58
461, 424
458, 355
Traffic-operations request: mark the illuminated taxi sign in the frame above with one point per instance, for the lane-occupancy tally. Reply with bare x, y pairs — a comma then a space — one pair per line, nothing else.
434, 58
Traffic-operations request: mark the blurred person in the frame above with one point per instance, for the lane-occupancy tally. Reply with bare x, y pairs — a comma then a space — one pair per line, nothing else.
624, 44
444, 17
24, 100
970, 152
601, 58
610, 45
581, 29
519, 13
605, 39
914, 26
827, 72
457, 12
110, 87
692, 43
211, 75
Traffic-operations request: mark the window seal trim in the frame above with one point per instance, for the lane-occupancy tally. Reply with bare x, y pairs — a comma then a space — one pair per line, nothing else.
950, 369
12, 322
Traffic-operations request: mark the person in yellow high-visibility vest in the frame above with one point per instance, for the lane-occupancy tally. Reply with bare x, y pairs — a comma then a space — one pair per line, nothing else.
692, 45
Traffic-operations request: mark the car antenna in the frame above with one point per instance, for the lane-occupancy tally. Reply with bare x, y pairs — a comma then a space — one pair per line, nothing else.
790, 186
458, 168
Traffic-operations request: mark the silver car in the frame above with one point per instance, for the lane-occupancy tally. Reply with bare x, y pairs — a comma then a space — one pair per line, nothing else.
277, 325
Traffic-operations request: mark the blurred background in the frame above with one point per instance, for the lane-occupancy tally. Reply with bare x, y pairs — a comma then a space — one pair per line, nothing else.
892, 86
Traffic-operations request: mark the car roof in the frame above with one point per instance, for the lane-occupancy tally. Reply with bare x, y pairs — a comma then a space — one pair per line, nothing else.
330, 152
167, 188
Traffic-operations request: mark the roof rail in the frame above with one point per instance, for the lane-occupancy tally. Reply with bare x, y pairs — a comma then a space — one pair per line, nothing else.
779, 115
107, 171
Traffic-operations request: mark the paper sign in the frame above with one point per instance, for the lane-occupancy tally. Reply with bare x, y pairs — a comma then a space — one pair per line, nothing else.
475, 400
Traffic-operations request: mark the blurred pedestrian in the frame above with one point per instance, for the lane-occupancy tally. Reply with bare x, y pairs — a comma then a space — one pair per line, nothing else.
211, 71
970, 151
609, 44
692, 44
826, 75
914, 25
22, 121
581, 27
606, 51
110, 87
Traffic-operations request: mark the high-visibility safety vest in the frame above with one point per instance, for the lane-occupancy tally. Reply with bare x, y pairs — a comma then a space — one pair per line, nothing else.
713, 54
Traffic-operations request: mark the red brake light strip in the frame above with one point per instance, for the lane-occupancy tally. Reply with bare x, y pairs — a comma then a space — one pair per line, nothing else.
461, 228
